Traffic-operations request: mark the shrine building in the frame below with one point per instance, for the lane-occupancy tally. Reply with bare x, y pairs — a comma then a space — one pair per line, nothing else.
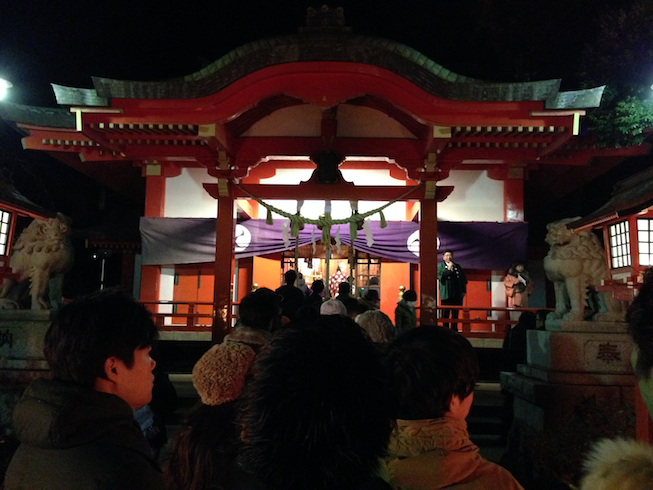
318, 151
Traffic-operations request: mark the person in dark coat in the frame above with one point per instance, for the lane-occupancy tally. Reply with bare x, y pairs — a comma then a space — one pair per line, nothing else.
453, 287
291, 297
514, 343
316, 296
77, 429
405, 316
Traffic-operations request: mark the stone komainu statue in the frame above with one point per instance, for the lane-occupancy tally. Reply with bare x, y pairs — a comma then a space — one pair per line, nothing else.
576, 265
42, 254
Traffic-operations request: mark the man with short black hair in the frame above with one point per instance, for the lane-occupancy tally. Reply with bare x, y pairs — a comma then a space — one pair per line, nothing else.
77, 429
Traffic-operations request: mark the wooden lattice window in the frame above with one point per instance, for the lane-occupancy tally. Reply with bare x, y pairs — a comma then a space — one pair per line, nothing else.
5, 222
368, 273
645, 241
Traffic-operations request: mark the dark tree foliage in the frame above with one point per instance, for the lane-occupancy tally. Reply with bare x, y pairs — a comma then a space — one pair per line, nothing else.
621, 56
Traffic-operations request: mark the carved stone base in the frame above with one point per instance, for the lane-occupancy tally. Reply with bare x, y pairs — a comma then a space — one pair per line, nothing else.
603, 350
22, 333
21, 357
577, 387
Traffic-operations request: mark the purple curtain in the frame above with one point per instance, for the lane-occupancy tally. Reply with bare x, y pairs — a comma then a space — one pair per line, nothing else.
477, 245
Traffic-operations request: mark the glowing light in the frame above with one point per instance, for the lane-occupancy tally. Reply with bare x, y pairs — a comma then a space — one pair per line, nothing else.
4, 88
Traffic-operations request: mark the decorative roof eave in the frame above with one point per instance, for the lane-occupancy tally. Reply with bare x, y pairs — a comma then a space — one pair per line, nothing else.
72, 96
629, 196
37, 116
577, 99
339, 47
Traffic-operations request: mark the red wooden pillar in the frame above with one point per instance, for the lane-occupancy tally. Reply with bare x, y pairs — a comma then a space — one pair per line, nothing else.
155, 191
224, 259
428, 261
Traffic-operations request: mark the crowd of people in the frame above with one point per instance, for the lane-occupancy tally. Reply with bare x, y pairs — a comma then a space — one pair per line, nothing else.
317, 395
316, 401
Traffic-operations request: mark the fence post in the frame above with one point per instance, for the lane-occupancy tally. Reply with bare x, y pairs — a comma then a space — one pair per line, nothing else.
191, 320
466, 323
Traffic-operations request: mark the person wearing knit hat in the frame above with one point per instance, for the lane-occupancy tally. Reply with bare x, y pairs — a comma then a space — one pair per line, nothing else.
219, 375
205, 449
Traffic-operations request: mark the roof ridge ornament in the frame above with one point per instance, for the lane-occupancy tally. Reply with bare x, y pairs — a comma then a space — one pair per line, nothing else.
325, 19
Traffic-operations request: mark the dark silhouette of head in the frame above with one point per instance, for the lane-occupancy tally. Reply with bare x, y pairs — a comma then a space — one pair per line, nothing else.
317, 410
290, 277
317, 286
430, 365
410, 295
372, 295
260, 309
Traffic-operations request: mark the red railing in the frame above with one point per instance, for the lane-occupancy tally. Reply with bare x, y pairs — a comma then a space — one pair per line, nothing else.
191, 319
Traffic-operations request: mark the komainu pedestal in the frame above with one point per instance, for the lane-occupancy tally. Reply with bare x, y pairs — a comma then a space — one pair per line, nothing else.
21, 357
576, 387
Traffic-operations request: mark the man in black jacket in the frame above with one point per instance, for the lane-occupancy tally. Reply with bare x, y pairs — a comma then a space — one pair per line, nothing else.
77, 429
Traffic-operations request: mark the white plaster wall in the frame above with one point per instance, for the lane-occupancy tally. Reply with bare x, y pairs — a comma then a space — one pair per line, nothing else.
365, 122
186, 198
498, 293
475, 197
312, 209
301, 120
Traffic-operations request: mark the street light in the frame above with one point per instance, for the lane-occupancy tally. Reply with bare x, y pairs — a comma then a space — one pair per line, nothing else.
4, 87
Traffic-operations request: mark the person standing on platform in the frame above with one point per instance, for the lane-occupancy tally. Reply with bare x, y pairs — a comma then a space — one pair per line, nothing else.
518, 286
453, 287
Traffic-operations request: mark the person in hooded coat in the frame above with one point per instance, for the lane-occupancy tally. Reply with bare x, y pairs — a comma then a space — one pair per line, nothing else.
77, 430
405, 315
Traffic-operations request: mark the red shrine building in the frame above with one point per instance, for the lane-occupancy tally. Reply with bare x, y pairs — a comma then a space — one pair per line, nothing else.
323, 151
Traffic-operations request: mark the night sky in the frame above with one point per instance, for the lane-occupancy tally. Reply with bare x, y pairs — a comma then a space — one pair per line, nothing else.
67, 42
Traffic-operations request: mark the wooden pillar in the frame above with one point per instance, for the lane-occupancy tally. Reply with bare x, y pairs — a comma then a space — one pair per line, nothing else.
155, 191
428, 261
224, 259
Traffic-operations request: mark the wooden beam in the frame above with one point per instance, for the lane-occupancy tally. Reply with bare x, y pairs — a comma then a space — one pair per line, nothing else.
344, 192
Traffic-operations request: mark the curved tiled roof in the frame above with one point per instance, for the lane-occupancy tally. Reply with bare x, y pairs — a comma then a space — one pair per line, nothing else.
37, 116
328, 46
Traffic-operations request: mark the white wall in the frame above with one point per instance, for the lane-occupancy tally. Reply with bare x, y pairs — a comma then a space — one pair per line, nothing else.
186, 198
475, 197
